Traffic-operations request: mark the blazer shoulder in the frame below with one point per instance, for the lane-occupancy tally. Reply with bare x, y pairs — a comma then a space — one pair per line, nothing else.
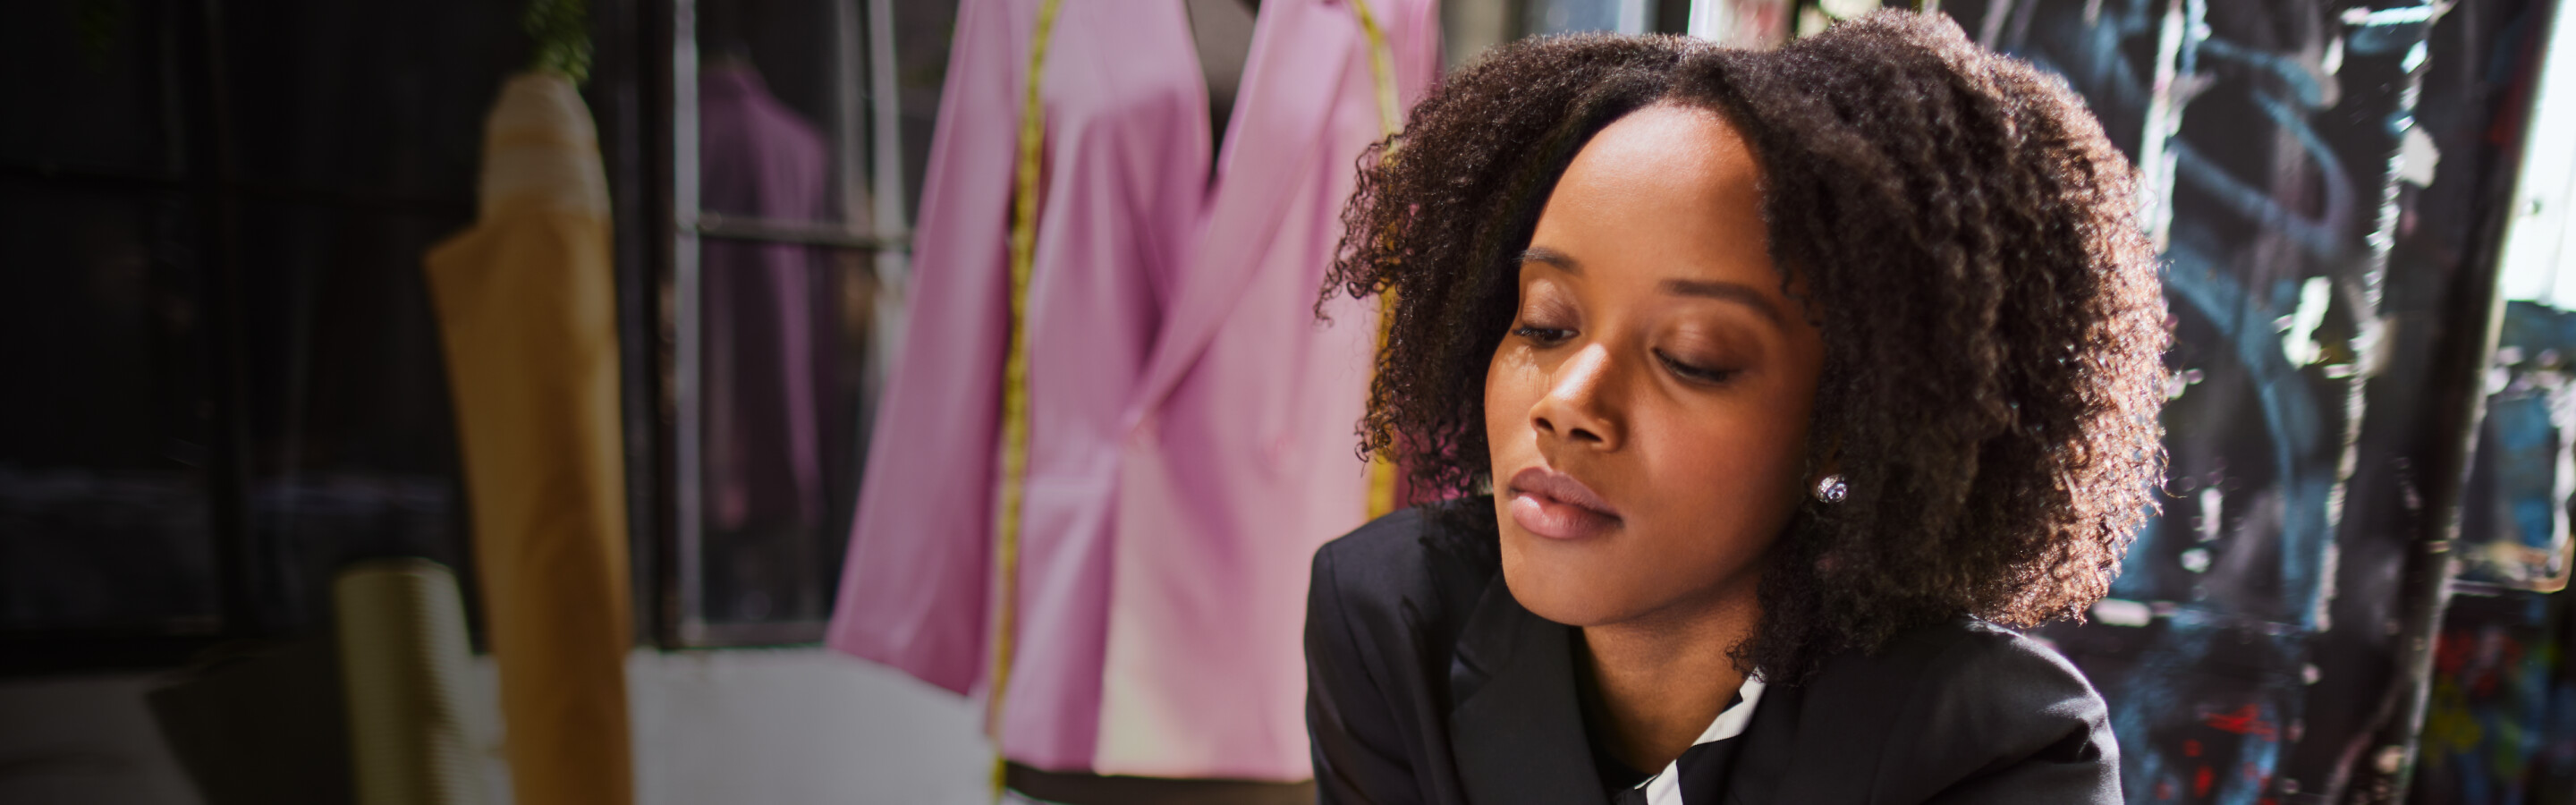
1971, 661
1997, 711
1398, 570
1394, 539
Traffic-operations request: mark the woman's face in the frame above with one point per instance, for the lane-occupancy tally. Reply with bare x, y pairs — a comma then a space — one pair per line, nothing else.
1648, 410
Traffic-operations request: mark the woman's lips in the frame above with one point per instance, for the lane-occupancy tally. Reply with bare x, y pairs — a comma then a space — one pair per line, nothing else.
1552, 504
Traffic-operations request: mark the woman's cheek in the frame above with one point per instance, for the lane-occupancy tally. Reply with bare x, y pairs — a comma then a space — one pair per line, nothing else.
1509, 384
1705, 468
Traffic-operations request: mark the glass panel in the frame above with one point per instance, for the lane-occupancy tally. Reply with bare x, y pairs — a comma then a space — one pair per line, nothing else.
780, 110
920, 34
785, 317
786, 343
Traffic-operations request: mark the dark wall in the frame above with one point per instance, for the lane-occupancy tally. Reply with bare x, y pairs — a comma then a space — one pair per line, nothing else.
225, 370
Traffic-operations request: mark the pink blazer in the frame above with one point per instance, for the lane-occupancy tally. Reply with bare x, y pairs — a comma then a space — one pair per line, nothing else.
1191, 426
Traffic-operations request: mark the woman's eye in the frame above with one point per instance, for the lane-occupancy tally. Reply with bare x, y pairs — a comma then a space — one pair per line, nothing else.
1693, 372
1542, 335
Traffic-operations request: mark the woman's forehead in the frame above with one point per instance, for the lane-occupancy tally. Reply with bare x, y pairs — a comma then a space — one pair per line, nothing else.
1670, 135
1670, 189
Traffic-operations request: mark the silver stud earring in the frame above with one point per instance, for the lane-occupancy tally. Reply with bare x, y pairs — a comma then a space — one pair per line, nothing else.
1831, 489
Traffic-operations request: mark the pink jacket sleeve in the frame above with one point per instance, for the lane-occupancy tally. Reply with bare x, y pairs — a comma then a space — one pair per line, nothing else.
913, 592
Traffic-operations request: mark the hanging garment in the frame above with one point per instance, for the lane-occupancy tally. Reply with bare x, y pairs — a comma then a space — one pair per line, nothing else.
763, 444
1124, 190
1189, 437
526, 310
1239, 460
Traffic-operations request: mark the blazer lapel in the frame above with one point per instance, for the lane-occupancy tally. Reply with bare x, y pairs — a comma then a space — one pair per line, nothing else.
1291, 80
1513, 719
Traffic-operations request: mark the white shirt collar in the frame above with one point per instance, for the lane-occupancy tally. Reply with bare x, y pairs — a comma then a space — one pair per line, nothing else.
1665, 788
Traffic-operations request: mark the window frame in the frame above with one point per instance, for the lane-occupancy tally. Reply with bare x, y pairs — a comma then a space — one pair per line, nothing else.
865, 123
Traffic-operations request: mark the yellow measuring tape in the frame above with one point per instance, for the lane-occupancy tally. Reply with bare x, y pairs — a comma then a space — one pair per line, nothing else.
1015, 384
1381, 472
1381, 68
1015, 362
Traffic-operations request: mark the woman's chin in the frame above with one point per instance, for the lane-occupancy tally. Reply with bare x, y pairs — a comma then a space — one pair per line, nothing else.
1562, 594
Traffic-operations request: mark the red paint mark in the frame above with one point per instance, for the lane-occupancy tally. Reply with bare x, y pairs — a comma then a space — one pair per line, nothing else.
2246, 720
2191, 749
2451, 652
2492, 671
2200, 782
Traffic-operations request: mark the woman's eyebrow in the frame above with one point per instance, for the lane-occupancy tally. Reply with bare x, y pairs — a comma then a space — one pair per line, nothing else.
1562, 261
1738, 293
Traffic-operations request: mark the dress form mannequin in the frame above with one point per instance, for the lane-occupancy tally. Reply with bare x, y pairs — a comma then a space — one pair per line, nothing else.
1222, 30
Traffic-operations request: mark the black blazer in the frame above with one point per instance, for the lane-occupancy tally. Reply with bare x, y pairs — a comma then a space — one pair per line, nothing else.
1428, 683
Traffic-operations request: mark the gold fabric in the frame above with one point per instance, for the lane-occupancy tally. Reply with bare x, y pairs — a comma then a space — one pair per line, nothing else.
525, 306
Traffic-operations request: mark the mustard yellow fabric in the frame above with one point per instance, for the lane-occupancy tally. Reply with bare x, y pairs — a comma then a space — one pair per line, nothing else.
525, 308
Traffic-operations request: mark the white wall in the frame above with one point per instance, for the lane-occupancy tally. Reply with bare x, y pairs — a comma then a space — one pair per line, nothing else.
800, 726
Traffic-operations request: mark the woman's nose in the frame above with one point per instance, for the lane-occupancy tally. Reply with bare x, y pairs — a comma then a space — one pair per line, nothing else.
1575, 406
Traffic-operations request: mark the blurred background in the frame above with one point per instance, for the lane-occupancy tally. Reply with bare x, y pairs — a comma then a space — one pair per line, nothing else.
233, 408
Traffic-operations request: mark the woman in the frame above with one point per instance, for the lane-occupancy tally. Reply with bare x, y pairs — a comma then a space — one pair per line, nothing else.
1768, 392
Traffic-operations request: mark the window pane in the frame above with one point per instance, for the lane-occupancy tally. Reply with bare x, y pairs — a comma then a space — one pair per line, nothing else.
783, 325
782, 110
785, 344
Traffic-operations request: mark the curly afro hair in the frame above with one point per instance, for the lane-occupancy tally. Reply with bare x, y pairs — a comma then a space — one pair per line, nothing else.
1967, 239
